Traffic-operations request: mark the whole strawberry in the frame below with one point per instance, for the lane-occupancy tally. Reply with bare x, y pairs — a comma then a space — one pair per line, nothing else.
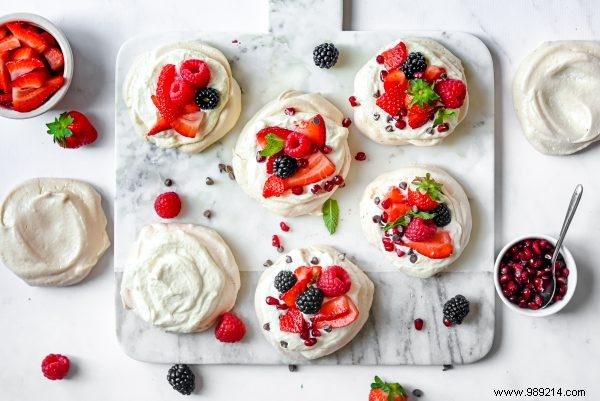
382, 391
420, 229
72, 130
452, 92
425, 193
230, 328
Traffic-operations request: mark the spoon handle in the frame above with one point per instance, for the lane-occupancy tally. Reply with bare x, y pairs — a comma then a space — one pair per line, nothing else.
570, 213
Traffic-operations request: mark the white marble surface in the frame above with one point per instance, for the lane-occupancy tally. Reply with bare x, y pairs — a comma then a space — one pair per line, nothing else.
561, 351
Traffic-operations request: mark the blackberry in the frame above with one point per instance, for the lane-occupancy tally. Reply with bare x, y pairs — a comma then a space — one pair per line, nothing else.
310, 301
415, 62
325, 55
285, 166
181, 378
285, 280
456, 309
442, 215
207, 98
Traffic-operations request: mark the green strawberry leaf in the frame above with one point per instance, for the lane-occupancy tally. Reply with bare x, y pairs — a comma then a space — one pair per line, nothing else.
274, 145
441, 115
59, 128
422, 93
429, 186
331, 216
403, 221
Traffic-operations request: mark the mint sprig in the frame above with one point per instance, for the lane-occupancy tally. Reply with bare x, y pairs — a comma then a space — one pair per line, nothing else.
331, 215
403, 220
441, 115
274, 145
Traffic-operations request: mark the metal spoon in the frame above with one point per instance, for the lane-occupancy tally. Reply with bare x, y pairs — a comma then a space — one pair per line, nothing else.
548, 292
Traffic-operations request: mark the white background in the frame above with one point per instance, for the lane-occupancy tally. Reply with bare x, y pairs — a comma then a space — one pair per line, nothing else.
532, 194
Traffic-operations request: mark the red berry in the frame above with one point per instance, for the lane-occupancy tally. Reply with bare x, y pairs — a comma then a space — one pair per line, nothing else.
297, 145
334, 281
230, 328
55, 366
167, 205
443, 127
181, 93
353, 102
338, 180
310, 342
302, 163
400, 124
360, 156
420, 230
419, 324
328, 186
315, 189
395, 57
326, 149
297, 190
274, 186
284, 226
447, 322
272, 301
346, 122
379, 59
196, 72
290, 111
393, 100
275, 241
452, 92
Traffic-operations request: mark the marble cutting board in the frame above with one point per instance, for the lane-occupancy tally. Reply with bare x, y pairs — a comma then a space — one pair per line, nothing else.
265, 64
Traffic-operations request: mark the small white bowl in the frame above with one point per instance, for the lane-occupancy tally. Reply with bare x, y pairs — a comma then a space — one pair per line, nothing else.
65, 47
556, 306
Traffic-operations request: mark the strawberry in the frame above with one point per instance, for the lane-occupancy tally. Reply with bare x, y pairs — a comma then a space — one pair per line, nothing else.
452, 92
420, 229
337, 312
415, 108
395, 78
315, 129
438, 247
280, 132
20, 67
162, 99
270, 162
49, 39
3, 32
6, 99
72, 130
319, 167
55, 58
25, 100
230, 328
4, 74
305, 272
57, 81
381, 391
23, 53
274, 186
28, 37
392, 100
33, 79
160, 126
396, 204
9, 43
334, 281
188, 124
433, 73
421, 98
416, 120
425, 193
297, 145
195, 72
292, 321
393, 58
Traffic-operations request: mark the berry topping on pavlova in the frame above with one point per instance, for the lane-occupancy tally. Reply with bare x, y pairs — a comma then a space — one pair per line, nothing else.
413, 91
293, 153
419, 216
182, 96
309, 310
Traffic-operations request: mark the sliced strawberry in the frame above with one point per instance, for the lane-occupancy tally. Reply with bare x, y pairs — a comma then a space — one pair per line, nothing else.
3, 32
23, 53
20, 67
416, 120
55, 58
9, 43
433, 73
28, 37
305, 272
395, 78
162, 98
315, 129
292, 294
398, 205
30, 99
292, 321
319, 167
49, 39
160, 126
280, 132
274, 186
393, 58
33, 79
56, 82
439, 247
188, 124
4, 74
337, 312
270, 162
6, 99
392, 100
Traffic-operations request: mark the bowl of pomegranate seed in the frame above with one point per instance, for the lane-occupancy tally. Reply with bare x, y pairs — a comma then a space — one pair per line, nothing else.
523, 271
36, 65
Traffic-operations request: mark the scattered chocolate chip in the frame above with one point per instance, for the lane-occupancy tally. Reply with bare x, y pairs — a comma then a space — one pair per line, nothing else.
447, 367
417, 393
229, 169
377, 219
267, 326
430, 130
314, 260
377, 200
207, 214
389, 128
288, 259
327, 329
376, 94
221, 168
209, 181
389, 119
231, 176
395, 237
268, 263
342, 256
292, 368
376, 116
413, 258
168, 182
283, 344
403, 185
280, 249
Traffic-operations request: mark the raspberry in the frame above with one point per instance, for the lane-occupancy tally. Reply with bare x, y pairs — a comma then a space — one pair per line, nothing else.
452, 92
167, 205
334, 281
297, 145
230, 328
420, 230
196, 72
181, 93
55, 366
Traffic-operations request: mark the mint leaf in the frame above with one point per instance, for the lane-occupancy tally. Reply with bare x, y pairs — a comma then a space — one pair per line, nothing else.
274, 145
403, 221
331, 215
441, 115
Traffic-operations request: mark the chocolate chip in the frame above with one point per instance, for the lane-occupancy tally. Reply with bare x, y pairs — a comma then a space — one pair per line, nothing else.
342, 256
447, 367
231, 176
168, 182
403, 185
430, 130
327, 329
377, 200
207, 214
389, 128
267, 326
292, 368
417, 393
314, 260
209, 181
389, 119
288, 259
221, 168
229, 169
376, 94
377, 219
395, 237
280, 249
376, 116
268, 263
283, 344
413, 258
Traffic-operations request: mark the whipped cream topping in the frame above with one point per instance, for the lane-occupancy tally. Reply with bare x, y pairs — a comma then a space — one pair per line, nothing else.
367, 82
251, 175
180, 277
453, 196
556, 96
361, 293
52, 231
140, 85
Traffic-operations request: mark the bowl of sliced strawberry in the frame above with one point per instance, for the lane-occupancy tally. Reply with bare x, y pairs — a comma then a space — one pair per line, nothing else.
36, 65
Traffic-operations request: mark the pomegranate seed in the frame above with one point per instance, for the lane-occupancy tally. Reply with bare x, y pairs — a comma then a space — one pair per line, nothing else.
523, 304
384, 217
328, 186
297, 190
282, 306
290, 111
315, 333
314, 148
511, 286
305, 335
533, 305
418, 74
386, 203
260, 158
565, 272
310, 342
419, 324
379, 59
302, 163
360, 156
353, 102
403, 111
536, 248
326, 149
400, 124
383, 74
505, 270
284, 226
315, 189
526, 294
338, 180
275, 241
505, 278
562, 289
561, 280
447, 322
400, 253
346, 122
443, 127
272, 301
